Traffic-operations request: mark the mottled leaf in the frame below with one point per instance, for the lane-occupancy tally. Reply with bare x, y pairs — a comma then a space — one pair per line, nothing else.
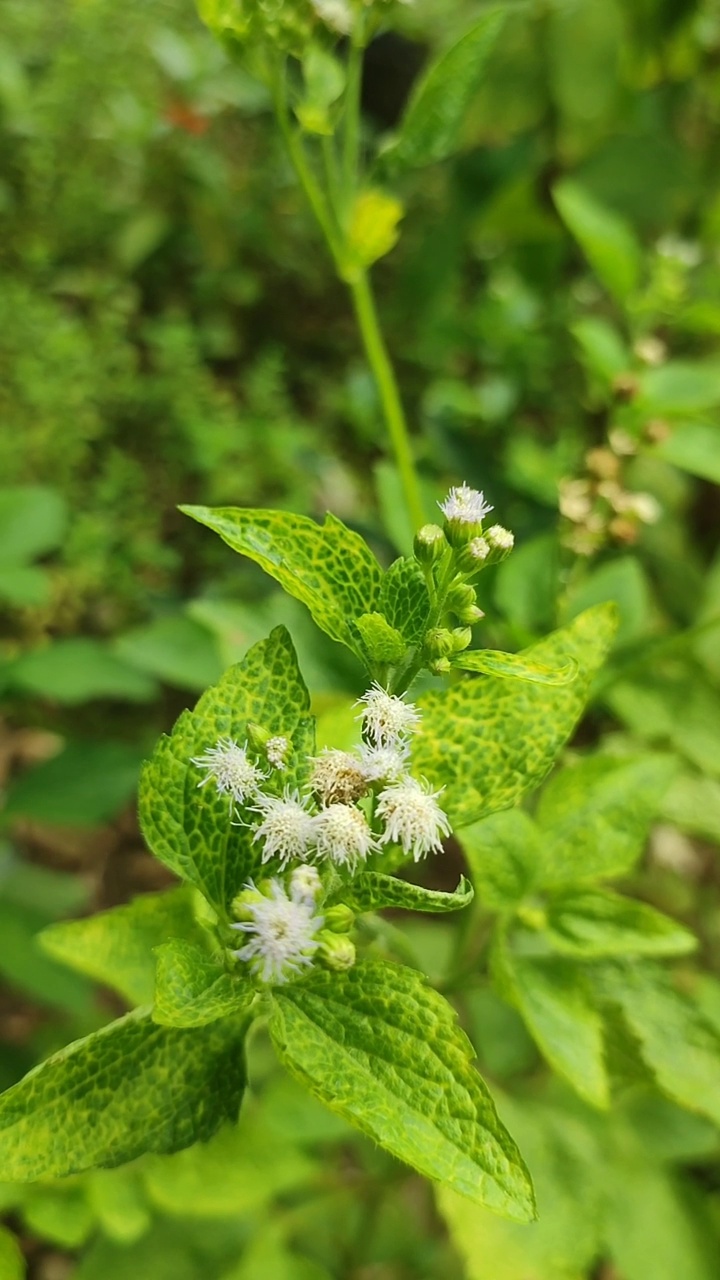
328, 567
372, 890
377, 1045
513, 665
404, 599
594, 923
490, 740
130, 1088
192, 989
115, 947
379, 643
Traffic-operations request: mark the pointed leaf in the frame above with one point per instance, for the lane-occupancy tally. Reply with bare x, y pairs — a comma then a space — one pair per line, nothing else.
377, 1045
490, 740
12, 1261
130, 1088
192, 989
404, 599
328, 567
190, 827
372, 890
115, 947
438, 106
593, 923
606, 239
513, 665
504, 853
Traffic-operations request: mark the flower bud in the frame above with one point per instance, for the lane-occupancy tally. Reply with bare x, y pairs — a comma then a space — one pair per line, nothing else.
461, 596
339, 919
241, 906
335, 951
461, 637
501, 541
438, 642
468, 617
439, 667
429, 544
474, 555
257, 736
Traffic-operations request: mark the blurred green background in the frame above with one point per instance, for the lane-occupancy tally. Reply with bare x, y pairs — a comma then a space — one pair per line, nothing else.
171, 331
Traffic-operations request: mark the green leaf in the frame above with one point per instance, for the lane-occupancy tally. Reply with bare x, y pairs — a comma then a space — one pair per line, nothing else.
514, 666
596, 923
176, 650
676, 1042
117, 1199
130, 1088
189, 827
607, 241
594, 816
680, 387
505, 855
115, 947
490, 740
604, 353
439, 102
694, 447
693, 804
77, 670
192, 989
372, 890
551, 996
377, 1045
86, 784
24, 584
379, 643
653, 1227
32, 522
12, 1262
60, 1215
328, 567
24, 966
624, 582
404, 599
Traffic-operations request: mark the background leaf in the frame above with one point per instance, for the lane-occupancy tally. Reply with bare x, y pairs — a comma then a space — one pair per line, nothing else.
606, 239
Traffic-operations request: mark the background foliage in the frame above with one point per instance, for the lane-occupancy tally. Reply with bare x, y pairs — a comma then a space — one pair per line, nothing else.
171, 332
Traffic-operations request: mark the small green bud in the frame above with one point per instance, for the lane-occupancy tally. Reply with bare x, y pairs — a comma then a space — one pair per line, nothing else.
240, 906
258, 737
474, 555
438, 642
501, 542
339, 919
439, 667
335, 951
460, 596
461, 637
429, 544
468, 617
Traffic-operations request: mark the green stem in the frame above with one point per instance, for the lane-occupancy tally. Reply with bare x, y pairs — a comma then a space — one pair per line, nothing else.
381, 366
351, 140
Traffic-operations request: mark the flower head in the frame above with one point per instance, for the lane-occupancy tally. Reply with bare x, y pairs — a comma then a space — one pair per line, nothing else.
386, 718
231, 769
465, 505
276, 750
413, 818
500, 538
335, 13
338, 776
343, 836
282, 934
286, 828
384, 764
305, 884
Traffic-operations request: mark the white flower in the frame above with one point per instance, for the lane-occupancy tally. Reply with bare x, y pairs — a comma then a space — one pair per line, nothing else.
286, 829
478, 549
276, 750
466, 505
501, 538
385, 717
343, 835
384, 764
283, 934
230, 768
335, 13
412, 817
338, 776
305, 884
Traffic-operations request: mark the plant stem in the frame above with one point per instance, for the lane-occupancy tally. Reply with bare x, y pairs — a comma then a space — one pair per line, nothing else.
351, 140
382, 368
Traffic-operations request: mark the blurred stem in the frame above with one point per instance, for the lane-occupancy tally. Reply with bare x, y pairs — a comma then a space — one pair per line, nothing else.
382, 368
351, 148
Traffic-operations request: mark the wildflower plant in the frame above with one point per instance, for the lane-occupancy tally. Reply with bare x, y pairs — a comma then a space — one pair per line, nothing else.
285, 854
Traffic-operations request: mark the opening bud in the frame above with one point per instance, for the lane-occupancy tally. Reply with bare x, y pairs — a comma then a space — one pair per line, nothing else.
501, 541
474, 555
336, 951
429, 544
242, 906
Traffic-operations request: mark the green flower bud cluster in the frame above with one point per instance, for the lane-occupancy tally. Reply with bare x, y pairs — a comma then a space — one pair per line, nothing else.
286, 24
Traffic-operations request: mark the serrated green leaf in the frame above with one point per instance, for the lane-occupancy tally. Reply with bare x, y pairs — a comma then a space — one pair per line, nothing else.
605, 238
594, 816
504, 853
377, 1045
189, 827
404, 599
328, 567
115, 947
554, 1001
372, 890
380, 643
12, 1262
490, 740
438, 105
676, 1042
130, 1088
514, 666
192, 989
595, 923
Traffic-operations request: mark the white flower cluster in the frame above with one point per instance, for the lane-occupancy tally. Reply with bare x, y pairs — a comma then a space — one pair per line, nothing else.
324, 826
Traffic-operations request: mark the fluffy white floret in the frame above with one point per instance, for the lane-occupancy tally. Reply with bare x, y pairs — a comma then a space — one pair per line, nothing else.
305, 884
336, 13
384, 764
282, 934
386, 718
412, 817
230, 768
338, 776
465, 505
276, 750
343, 836
499, 537
286, 829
